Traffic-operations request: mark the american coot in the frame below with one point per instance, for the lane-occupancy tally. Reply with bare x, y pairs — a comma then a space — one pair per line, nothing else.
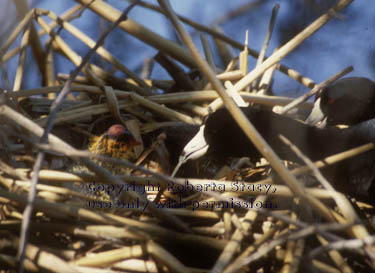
347, 101
355, 175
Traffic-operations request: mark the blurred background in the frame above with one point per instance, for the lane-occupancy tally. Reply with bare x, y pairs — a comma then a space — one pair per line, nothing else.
344, 41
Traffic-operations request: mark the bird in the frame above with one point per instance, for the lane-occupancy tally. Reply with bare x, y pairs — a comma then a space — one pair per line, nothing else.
224, 138
116, 142
347, 101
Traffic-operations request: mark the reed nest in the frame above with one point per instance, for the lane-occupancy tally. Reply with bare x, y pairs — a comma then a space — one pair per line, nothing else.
64, 209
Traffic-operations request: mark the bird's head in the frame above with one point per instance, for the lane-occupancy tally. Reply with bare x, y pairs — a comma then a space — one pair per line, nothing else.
119, 133
117, 142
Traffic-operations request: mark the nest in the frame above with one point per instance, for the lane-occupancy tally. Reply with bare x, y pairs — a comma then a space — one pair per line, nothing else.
86, 217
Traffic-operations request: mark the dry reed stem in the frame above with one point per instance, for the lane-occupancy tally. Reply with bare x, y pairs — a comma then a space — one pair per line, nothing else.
106, 258
50, 74
162, 110
337, 258
266, 42
267, 39
21, 61
230, 75
136, 265
195, 109
20, 27
208, 52
25, 185
323, 267
36, 46
243, 58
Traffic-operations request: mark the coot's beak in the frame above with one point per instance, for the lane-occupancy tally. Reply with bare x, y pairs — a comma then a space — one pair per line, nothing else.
316, 115
196, 147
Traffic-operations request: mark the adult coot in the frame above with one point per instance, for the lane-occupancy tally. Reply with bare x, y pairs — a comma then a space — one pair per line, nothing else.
354, 175
347, 101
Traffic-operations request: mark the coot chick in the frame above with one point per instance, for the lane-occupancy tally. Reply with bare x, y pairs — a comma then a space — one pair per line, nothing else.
116, 142
354, 175
347, 101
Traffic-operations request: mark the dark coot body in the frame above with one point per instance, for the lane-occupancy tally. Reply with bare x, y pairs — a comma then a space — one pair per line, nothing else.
227, 139
177, 138
348, 101
354, 175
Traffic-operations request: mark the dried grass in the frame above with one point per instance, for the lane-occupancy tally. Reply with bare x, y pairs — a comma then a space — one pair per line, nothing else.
65, 235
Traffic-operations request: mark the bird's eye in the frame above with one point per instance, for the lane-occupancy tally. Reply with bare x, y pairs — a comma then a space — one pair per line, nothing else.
214, 131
